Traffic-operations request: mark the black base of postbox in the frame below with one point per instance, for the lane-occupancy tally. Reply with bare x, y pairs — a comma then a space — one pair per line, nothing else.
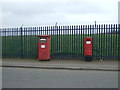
88, 58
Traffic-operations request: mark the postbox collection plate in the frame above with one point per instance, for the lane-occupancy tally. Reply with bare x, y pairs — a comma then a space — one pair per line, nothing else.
42, 46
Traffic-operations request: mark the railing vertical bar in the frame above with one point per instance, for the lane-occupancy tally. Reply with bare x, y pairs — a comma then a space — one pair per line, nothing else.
83, 28
13, 44
30, 43
26, 42
81, 41
61, 46
117, 40
100, 48
27, 35
102, 41
92, 35
45, 30
10, 43
30, 37
17, 43
106, 42
72, 43
41, 30
28, 52
36, 41
63, 42
97, 43
68, 44
15, 38
70, 40
111, 33
33, 43
54, 40
74, 29
6, 35
105, 52
51, 42
12, 53
113, 41
5, 43
79, 44
57, 40
108, 47
90, 31
94, 43
21, 41
117, 32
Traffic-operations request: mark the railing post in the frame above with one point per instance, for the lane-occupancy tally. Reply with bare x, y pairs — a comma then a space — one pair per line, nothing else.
21, 42
118, 41
1, 32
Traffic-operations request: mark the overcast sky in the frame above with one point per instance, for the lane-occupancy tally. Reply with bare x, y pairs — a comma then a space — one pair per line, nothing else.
14, 13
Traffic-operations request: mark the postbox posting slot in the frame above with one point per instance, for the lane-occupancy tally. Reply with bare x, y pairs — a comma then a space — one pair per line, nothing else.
88, 41
43, 40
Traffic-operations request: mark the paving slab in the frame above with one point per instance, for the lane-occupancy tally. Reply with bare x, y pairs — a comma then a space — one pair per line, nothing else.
109, 65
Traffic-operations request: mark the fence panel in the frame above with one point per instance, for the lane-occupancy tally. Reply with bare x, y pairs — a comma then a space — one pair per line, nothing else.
67, 42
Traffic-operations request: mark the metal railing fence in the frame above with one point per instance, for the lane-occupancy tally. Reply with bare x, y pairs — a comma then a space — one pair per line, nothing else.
66, 41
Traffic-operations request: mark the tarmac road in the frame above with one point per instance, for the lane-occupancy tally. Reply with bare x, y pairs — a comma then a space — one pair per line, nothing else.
44, 78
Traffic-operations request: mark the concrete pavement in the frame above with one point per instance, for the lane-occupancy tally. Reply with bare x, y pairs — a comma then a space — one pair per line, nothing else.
106, 65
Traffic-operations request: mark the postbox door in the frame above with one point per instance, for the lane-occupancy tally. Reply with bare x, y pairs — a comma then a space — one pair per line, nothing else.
42, 48
43, 51
88, 46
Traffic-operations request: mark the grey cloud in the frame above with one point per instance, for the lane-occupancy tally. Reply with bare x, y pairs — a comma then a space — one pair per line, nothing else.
36, 13
28, 9
81, 8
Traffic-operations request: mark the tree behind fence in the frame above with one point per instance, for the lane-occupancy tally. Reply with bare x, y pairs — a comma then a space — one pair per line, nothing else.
66, 41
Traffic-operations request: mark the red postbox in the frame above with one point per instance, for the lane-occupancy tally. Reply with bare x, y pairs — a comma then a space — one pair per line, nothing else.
44, 47
88, 48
